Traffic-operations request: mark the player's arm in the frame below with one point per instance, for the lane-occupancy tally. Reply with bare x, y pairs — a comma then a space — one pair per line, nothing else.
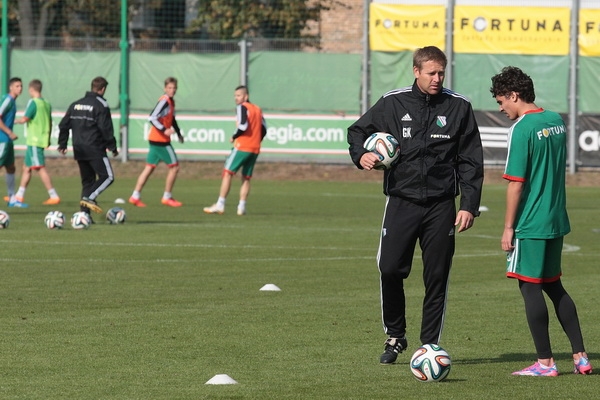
6, 130
30, 112
104, 120
263, 129
49, 125
177, 130
470, 164
242, 121
513, 197
3, 127
370, 122
154, 118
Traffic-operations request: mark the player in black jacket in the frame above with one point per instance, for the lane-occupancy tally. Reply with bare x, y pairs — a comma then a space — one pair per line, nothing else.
90, 122
440, 157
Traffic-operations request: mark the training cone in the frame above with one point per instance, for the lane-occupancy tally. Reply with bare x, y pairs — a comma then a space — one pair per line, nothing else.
221, 379
269, 287
483, 208
119, 201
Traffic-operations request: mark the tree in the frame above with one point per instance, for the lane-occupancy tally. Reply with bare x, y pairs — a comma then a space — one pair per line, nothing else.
33, 21
36, 20
233, 19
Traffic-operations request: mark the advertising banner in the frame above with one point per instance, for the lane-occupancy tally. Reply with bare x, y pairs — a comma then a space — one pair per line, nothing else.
288, 136
298, 138
398, 27
589, 32
511, 30
588, 140
293, 137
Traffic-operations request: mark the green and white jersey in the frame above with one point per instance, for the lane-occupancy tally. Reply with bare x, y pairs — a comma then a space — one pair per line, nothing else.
537, 157
39, 113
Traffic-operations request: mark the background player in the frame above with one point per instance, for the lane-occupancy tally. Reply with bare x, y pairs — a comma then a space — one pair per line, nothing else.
163, 126
251, 129
8, 111
38, 117
90, 121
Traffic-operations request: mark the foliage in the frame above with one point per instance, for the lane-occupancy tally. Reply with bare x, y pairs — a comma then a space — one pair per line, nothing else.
232, 19
36, 20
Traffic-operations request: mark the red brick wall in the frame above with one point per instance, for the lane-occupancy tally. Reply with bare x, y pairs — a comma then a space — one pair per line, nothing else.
341, 27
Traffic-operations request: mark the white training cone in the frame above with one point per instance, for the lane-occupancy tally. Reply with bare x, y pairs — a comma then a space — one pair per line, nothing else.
221, 379
269, 287
119, 201
483, 208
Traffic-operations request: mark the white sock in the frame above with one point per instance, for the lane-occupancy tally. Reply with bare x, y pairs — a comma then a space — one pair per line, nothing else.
167, 195
20, 192
221, 202
136, 195
10, 184
52, 193
242, 204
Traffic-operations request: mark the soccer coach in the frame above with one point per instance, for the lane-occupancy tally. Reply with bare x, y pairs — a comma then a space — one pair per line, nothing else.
90, 122
441, 158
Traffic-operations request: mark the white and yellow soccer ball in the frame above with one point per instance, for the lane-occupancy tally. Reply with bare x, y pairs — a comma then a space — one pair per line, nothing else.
385, 146
4, 219
116, 215
54, 220
80, 220
430, 363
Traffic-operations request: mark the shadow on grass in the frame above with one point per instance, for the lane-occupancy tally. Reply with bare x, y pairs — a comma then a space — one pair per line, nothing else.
146, 222
516, 357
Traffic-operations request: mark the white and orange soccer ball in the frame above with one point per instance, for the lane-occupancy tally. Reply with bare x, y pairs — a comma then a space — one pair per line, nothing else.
81, 220
385, 146
54, 220
430, 363
4, 219
116, 215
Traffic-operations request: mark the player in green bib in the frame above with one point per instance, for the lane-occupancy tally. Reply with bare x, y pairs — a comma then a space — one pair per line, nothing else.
536, 217
38, 117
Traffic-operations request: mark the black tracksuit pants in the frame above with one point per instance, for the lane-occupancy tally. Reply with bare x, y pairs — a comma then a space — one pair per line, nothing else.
404, 223
91, 187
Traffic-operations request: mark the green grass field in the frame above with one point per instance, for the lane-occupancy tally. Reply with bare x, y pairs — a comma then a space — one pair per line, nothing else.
156, 307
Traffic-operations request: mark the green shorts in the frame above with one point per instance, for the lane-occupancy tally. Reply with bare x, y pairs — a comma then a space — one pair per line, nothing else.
535, 260
241, 159
34, 157
7, 154
165, 154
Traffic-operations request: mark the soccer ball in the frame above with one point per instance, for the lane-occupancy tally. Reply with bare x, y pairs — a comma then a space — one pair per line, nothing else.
116, 215
4, 219
430, 363
385, 146
54, 220
81, 220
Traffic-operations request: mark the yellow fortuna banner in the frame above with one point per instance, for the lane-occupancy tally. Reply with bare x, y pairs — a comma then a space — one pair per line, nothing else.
394, 27
511, 30
589, 32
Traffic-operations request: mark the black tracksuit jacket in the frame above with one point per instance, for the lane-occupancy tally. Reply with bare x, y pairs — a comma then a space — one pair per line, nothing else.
440, 146
90, 120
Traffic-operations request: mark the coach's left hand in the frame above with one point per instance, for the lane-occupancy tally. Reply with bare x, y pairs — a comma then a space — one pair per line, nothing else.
464, 220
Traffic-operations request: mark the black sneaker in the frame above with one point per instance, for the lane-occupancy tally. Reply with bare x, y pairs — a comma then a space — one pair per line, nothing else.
91, 204
393, 346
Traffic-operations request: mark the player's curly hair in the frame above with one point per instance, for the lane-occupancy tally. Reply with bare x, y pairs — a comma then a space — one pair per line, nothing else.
512, 79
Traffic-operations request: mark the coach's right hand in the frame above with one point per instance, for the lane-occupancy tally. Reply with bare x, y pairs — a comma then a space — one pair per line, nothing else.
368, 160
